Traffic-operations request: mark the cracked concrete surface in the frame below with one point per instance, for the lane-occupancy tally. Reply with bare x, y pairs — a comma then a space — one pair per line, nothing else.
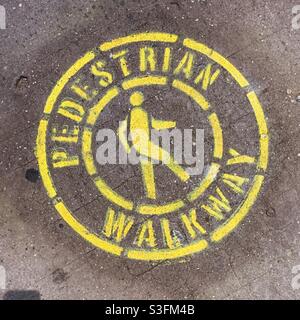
41, 253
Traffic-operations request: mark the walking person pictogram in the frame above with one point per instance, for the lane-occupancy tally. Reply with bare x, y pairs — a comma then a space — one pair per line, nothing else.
140, 125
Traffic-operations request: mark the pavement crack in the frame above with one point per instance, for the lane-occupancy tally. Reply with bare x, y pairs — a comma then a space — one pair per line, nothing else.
138, 275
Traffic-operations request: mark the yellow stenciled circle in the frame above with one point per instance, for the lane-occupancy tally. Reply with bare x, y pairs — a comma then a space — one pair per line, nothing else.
136, 99
196, 246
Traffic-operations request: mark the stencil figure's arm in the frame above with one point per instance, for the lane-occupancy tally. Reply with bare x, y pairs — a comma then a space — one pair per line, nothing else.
162, 124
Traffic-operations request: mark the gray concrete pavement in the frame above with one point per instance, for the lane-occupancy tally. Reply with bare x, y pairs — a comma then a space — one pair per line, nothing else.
41, 253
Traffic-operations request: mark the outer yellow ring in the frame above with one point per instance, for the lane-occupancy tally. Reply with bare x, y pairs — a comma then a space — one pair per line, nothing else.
108, 246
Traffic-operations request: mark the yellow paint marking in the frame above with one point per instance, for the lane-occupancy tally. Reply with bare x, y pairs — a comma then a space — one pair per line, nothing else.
191, 92
71, 110
191, 223
216, 206
147, 59
151, 36
218, 216
167, 60
153, 209
42, 159
148, 178
146, 235
263, 130
97, 69
207, 77
178, 170
87, 152
237, 158
97, 109
80, 229
61, 159
171, 242
66, 135
65, 79
234, 182
117, 226
144, 81
121, 56
168, 254
162, 124
111, 195
185, 66
199, 47
205, 183
218, 135
140, 132
226, 228
82, 92
122, 131
65, 139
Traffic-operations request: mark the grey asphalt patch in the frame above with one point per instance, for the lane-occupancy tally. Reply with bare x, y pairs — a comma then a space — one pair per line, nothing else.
41, 253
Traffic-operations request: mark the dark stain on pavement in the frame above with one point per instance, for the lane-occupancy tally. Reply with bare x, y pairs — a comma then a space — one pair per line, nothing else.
59, 276
22, 295
32, 175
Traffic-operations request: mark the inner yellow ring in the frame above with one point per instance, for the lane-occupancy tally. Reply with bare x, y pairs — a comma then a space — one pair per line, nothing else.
116, 198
